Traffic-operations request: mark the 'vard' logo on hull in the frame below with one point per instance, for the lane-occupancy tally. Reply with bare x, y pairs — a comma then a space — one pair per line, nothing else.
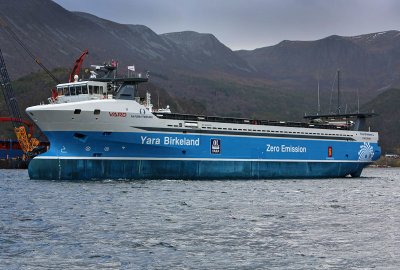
117, 114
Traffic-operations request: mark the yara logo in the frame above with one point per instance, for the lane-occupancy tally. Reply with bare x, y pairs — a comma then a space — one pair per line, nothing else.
366, 152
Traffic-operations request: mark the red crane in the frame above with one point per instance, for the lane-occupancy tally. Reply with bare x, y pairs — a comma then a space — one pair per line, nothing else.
78, 64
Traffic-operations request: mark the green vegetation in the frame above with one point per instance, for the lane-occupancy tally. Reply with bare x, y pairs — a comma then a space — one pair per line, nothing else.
387, 162
227, 96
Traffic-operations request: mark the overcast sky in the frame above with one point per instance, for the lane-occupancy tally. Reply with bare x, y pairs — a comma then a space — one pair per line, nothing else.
249, 24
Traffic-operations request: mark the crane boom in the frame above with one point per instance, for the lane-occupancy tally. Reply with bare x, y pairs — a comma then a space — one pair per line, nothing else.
8, 92
27, 143
77, 66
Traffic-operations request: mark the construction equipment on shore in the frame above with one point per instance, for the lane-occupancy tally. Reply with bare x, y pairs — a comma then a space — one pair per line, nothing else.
28, 143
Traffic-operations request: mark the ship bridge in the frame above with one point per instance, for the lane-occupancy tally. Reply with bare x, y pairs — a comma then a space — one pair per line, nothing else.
79, 91
97, 88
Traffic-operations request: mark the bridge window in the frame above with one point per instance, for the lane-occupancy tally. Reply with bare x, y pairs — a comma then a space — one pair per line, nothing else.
84, 89
78, 89
72, 90
126, 92
66, 91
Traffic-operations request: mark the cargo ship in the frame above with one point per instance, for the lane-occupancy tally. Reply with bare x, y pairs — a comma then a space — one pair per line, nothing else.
98, 128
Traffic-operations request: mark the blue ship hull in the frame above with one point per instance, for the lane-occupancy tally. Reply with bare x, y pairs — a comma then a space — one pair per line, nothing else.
95, 155
84, 169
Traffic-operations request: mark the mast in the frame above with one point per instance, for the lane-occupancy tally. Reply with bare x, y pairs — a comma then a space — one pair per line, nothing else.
338, 91
319, 104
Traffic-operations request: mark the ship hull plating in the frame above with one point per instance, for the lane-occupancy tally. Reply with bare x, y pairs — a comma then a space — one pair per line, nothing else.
96, 169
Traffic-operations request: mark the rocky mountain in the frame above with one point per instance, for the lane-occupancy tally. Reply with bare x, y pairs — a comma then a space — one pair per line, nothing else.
370, 63
57, 36
205, 51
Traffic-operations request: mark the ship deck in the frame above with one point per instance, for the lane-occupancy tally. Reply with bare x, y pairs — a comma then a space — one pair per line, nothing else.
232, 120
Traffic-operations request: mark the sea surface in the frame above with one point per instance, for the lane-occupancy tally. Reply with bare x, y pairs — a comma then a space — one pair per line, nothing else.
264, 224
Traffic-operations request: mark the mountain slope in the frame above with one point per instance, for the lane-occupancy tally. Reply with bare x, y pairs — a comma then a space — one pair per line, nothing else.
368, 62
205, 51
388, 120
57, 36
53, 34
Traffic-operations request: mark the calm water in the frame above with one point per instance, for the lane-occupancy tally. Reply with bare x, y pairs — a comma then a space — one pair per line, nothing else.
288, 224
